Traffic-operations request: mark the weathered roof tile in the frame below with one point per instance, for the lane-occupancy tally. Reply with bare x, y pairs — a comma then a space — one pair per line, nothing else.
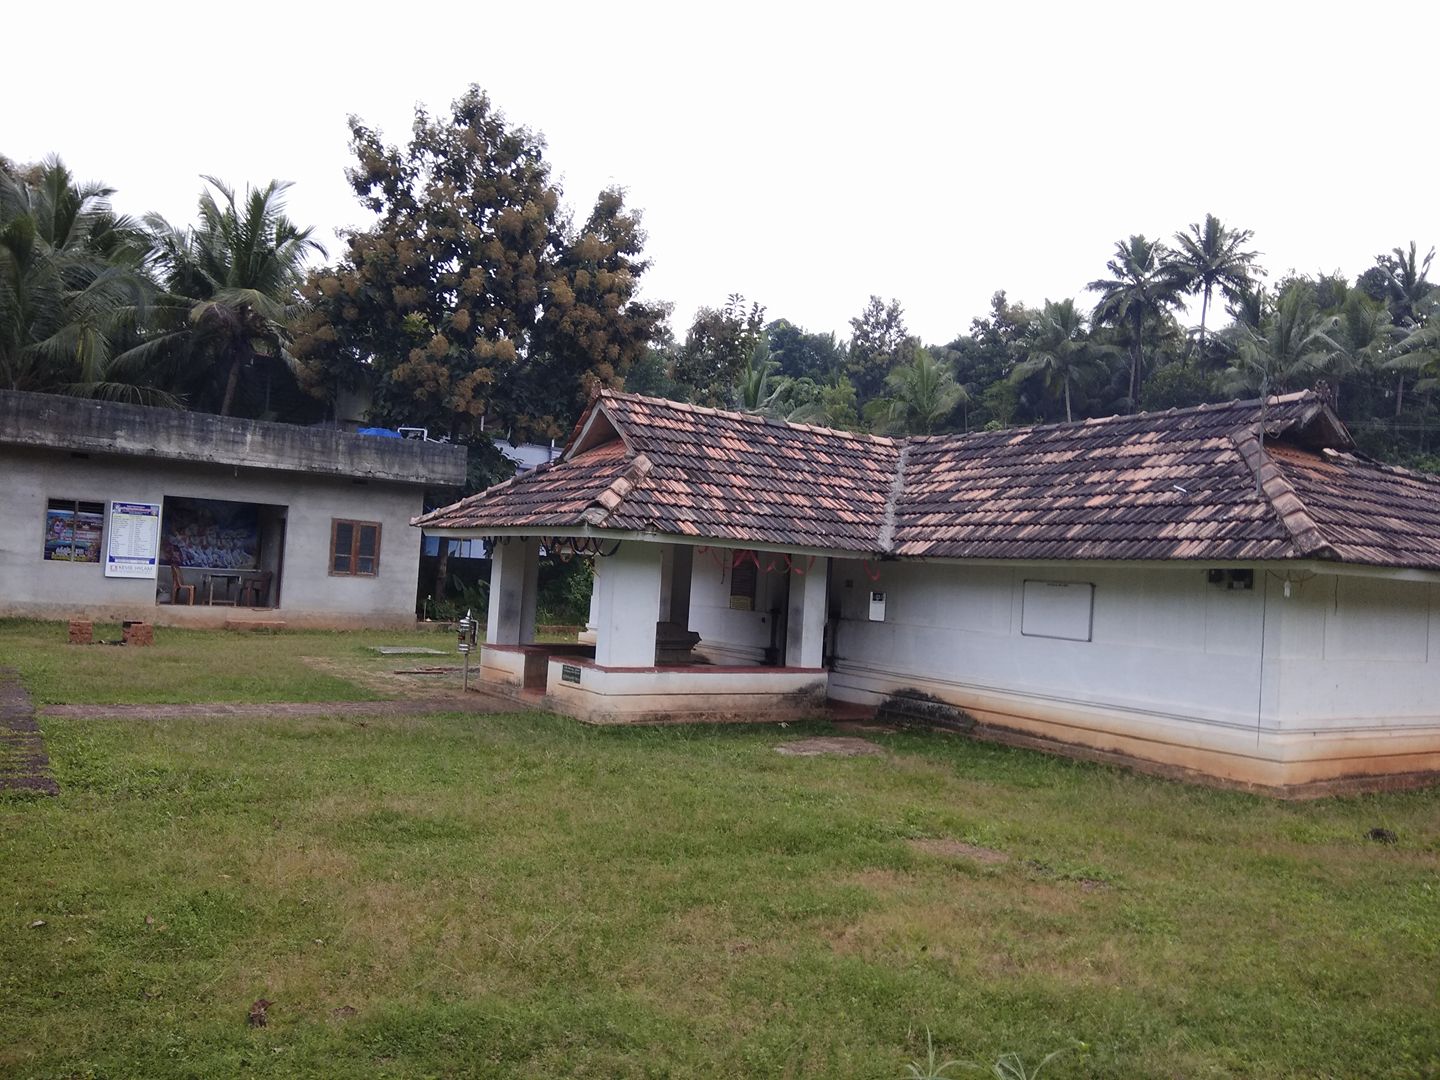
1198, 483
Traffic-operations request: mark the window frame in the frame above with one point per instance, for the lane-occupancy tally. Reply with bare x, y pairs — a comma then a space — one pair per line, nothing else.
73, 508
744, 580
354, 554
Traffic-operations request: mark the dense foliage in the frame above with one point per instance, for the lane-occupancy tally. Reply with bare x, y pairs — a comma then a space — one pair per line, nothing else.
476, 306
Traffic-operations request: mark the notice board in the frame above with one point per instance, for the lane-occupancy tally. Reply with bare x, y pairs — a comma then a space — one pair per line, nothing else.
132, 542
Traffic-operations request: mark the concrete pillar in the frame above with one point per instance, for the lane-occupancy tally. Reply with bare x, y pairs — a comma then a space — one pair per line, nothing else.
514, 564
805, 626
628, 586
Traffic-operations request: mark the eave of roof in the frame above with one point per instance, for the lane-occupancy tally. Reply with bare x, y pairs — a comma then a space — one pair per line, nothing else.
1198, 483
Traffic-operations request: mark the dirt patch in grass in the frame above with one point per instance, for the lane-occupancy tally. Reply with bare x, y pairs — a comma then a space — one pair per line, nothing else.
830, 745
959, 848
24, 765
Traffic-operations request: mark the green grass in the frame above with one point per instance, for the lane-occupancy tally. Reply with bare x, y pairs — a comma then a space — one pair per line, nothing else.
522, 896
187, 666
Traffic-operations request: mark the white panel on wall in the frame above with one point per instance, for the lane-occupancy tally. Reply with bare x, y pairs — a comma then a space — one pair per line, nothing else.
1058, 609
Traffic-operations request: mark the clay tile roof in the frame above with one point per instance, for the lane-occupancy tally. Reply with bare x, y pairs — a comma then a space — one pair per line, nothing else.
727, 476
1150, 486
1199, 483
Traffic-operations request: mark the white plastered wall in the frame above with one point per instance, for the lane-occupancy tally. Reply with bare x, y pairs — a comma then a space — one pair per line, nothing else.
1338, 678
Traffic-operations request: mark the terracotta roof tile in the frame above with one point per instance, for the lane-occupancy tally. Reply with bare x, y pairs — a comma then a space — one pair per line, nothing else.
1196, 483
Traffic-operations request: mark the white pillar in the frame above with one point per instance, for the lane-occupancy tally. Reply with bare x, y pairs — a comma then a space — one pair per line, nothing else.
805, 626
514, 563
628, 586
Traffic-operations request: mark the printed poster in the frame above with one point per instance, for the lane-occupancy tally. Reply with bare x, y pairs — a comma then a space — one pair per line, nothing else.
133, 546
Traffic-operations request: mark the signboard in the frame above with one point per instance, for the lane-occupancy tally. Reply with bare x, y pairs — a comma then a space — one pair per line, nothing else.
570, 673
133, 540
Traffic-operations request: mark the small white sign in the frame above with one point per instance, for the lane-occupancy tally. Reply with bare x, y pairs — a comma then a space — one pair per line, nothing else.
877, 606
132, 540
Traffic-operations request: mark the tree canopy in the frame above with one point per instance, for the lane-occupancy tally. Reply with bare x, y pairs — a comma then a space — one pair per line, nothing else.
473, 302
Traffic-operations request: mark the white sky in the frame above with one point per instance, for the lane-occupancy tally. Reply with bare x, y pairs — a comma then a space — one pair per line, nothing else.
805, 155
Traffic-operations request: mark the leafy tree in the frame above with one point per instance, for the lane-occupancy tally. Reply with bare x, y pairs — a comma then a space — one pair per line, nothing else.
472, 301
922, 396
717, 348
1289, 346
756, 390
804, 401
1402, 281
984, 357
70, 288
1208, 257
878, 339
1059, 349
1357, 336
1137, 293
803, 355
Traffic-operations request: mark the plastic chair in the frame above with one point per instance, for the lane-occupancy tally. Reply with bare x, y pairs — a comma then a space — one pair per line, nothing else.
179, 588
256, 591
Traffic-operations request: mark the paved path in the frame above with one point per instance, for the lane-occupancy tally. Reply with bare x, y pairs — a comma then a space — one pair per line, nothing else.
24, 765
473, 702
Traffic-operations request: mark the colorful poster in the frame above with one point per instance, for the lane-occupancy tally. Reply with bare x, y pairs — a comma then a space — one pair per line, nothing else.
211, 534
134, 543
73, 531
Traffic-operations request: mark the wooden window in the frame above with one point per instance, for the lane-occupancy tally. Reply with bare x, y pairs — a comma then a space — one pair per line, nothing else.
73, 530
354, 547
744, 573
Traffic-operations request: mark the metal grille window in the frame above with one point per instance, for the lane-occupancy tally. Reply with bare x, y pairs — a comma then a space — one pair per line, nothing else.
354, 547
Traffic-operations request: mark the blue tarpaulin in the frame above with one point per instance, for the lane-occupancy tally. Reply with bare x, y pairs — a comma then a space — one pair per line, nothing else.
381, 432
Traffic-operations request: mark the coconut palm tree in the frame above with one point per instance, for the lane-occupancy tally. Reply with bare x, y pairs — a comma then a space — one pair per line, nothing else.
1060, 349
922, 396
1137, 292
1208, 257
68, 284
232, 284
1289, 345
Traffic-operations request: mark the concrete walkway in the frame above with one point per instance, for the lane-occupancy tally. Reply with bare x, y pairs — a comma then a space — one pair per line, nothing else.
24, 765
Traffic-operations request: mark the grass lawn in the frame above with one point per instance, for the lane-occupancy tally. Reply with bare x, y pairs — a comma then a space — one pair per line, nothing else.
187, 666
523, 896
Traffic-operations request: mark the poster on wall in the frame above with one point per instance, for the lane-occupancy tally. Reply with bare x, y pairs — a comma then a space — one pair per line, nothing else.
73, 530
211, 534
133, 545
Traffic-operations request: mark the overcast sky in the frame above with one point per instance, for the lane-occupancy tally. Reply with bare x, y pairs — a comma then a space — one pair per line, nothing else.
803, 155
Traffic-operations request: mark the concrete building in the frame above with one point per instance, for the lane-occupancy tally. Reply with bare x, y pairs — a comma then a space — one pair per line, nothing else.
125, 512
1227, 592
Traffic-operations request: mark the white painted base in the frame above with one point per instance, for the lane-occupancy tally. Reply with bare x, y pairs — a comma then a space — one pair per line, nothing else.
691, 694
1244, 754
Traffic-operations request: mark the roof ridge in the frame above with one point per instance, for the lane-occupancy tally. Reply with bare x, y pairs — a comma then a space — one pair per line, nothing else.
609, 500
470, 500
749, 417
886, 539
1276, 489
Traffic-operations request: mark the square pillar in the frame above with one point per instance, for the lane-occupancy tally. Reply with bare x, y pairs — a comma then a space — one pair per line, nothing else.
805, 627
515, 562
628, 587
